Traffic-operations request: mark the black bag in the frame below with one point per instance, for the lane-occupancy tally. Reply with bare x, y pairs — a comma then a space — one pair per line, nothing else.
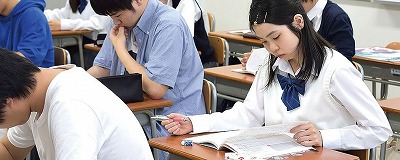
127, 87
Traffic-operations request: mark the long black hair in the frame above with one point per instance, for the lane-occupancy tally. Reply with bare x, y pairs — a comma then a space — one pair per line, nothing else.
311, 44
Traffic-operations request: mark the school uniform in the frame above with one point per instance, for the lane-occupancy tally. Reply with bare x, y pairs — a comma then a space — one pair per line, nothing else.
333, 23
338, 103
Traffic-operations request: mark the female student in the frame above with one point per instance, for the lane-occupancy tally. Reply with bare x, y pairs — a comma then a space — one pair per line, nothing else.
79, 15
303, 80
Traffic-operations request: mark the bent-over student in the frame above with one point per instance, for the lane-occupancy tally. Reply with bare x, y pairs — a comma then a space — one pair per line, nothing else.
303, 80
66, 113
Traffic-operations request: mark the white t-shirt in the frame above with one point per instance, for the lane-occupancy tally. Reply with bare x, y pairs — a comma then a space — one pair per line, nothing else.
82, 119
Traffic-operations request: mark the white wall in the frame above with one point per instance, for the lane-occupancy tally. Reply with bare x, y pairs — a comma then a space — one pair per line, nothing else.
375, 24
51, 4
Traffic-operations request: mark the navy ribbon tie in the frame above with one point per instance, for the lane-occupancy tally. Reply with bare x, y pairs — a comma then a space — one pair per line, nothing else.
82, 5
291, 89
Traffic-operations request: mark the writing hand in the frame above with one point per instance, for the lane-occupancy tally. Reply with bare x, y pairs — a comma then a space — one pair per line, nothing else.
244, 59
177, 127
307, 135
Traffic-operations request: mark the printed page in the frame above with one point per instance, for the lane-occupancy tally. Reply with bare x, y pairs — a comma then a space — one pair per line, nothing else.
268, 141
214, 140
379, 53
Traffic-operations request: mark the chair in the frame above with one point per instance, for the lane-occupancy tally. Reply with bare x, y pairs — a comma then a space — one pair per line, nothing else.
221, 49
61, 56
394, 45
210, 96
211, 21
359, 68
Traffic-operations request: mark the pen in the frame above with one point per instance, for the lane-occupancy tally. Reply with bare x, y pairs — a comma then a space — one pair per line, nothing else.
162, 118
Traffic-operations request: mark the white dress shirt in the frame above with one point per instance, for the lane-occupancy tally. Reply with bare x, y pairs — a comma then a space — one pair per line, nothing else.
190, 11
315, 14
87, 20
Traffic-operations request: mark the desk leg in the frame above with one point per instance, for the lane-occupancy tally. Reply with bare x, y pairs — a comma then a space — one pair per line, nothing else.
383, 151
384, 91
372, 154
152, 122
80, 47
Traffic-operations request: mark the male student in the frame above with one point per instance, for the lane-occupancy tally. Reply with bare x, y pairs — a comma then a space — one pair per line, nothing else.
166, 54
24, 29
66, 112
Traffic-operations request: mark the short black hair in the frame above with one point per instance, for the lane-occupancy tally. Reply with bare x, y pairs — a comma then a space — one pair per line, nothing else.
109, 7
17, 78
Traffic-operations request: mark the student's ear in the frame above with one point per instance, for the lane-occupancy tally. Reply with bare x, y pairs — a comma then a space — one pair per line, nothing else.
9, 102
298, 21
139, 2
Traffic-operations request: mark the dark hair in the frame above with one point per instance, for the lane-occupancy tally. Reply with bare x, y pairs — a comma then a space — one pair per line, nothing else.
311, 44
16, 78
109, 7
74, 5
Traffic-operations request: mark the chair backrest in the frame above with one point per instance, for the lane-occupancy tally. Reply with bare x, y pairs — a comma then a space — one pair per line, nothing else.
359, 68
211, 21
221, 48
394, 45
61, 56
210, 96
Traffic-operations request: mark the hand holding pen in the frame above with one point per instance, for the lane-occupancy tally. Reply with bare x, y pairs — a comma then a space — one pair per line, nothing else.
175, 123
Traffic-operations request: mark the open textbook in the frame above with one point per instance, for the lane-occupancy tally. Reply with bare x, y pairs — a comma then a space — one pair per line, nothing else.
255, 61
379, 53
258, 142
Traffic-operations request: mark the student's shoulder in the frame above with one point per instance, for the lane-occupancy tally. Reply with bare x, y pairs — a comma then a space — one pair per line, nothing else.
332, 10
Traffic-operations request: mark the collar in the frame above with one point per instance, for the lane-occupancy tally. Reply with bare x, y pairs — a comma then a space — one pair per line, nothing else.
284, 67
145, 22
317, 10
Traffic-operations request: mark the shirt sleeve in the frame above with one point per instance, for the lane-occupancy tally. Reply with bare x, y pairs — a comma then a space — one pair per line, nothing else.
21, 136
57, 13
104, 57
188, 12
246, 114
76, 131
372, 126
34, 36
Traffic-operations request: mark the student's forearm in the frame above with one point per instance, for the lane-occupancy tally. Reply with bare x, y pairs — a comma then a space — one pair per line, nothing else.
4, 154
153, 89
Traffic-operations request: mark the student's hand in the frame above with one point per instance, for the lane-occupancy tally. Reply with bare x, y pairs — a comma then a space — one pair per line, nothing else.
307, 135
55, 25
118, 36
245, 58
178, 127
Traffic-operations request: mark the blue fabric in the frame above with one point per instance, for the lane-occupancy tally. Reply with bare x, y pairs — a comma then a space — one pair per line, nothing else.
82, 5
291, 89
337, 29
26, 30
167, 51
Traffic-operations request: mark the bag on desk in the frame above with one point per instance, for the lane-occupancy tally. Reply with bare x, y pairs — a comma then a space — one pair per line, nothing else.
127, 87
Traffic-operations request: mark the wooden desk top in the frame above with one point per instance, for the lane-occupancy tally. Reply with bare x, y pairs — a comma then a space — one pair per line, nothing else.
92, 47
68, 32
227, 73
390, 105
236, 37
173, 145
149, 104
392, 64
